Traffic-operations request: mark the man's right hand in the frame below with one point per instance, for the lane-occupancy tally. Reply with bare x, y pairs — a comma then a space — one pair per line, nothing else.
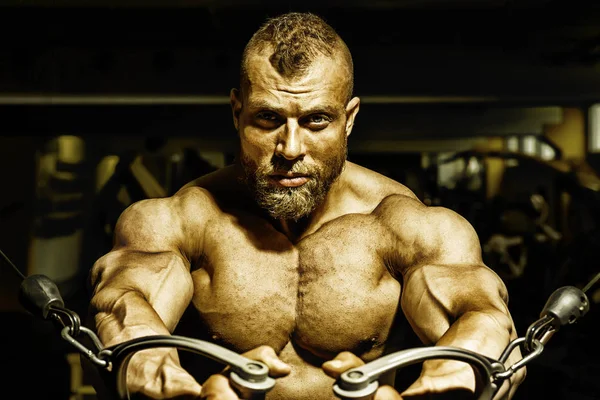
217, 387
157, 374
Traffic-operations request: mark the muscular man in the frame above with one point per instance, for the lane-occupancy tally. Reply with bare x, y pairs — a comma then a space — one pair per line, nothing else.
293, 255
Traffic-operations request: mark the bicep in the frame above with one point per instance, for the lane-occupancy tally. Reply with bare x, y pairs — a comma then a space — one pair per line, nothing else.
146, 264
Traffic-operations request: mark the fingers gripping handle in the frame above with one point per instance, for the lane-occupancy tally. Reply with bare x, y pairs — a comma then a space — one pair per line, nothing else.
355, 384
249, 377
362, 382
248, 387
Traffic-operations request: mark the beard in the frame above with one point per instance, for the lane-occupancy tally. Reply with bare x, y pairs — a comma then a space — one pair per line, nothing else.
292, 203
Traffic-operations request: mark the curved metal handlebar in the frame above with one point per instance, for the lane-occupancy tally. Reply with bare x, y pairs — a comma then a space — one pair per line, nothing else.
248, 376
362, 382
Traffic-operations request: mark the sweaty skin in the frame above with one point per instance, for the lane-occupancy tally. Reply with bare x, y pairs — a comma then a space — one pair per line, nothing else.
345, 282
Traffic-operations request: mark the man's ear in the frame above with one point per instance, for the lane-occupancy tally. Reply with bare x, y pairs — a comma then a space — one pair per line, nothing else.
236, 106
351, 111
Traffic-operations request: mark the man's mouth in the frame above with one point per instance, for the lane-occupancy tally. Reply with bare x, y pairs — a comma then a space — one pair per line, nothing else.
289, 179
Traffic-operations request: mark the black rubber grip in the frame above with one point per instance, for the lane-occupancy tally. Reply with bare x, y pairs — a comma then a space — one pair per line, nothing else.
37, 293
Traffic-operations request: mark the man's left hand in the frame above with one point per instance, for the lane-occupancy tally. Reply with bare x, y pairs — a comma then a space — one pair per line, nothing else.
345, 361
425, 387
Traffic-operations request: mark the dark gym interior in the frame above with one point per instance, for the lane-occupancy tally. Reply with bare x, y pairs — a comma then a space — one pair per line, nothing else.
488, 107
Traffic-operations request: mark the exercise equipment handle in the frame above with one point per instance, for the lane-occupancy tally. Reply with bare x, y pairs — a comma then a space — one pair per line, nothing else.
362, 382
38, 293
249, 377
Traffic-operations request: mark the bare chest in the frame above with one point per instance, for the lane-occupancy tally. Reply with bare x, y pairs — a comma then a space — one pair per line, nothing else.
328, 293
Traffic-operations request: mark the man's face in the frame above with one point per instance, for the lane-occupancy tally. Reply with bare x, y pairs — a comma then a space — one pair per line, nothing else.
293, 134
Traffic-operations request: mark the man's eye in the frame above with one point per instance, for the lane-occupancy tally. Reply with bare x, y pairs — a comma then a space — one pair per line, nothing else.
317, 121
267, 120
265, 116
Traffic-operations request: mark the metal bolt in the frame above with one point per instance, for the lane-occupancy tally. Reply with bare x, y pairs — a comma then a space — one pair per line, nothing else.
355, 374
254, 367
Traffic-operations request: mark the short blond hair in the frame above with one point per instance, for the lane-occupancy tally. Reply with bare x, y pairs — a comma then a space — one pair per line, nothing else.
297, 39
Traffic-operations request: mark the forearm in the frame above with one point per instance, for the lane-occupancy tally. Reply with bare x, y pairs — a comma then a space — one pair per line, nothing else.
130, 317
469, 312
138, 294
480, 332
483, 332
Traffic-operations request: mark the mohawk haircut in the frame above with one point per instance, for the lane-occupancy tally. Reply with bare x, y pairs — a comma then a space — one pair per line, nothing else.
296, 40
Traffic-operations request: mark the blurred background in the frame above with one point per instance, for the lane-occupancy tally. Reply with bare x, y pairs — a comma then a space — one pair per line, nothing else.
488, 107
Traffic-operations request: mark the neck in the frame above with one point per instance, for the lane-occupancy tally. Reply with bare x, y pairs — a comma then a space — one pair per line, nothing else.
294, 230
297, 229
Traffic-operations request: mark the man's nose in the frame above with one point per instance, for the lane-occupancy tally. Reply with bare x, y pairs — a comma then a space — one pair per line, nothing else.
290, 143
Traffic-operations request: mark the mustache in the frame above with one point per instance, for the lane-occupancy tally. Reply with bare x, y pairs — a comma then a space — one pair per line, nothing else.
285, 167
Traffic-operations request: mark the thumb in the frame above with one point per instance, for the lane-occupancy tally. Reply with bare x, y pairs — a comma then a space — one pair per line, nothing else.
267, 355
387, 392
341, 363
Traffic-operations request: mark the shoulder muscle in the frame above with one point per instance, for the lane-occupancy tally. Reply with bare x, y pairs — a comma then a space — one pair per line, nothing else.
429, 234
173, 224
